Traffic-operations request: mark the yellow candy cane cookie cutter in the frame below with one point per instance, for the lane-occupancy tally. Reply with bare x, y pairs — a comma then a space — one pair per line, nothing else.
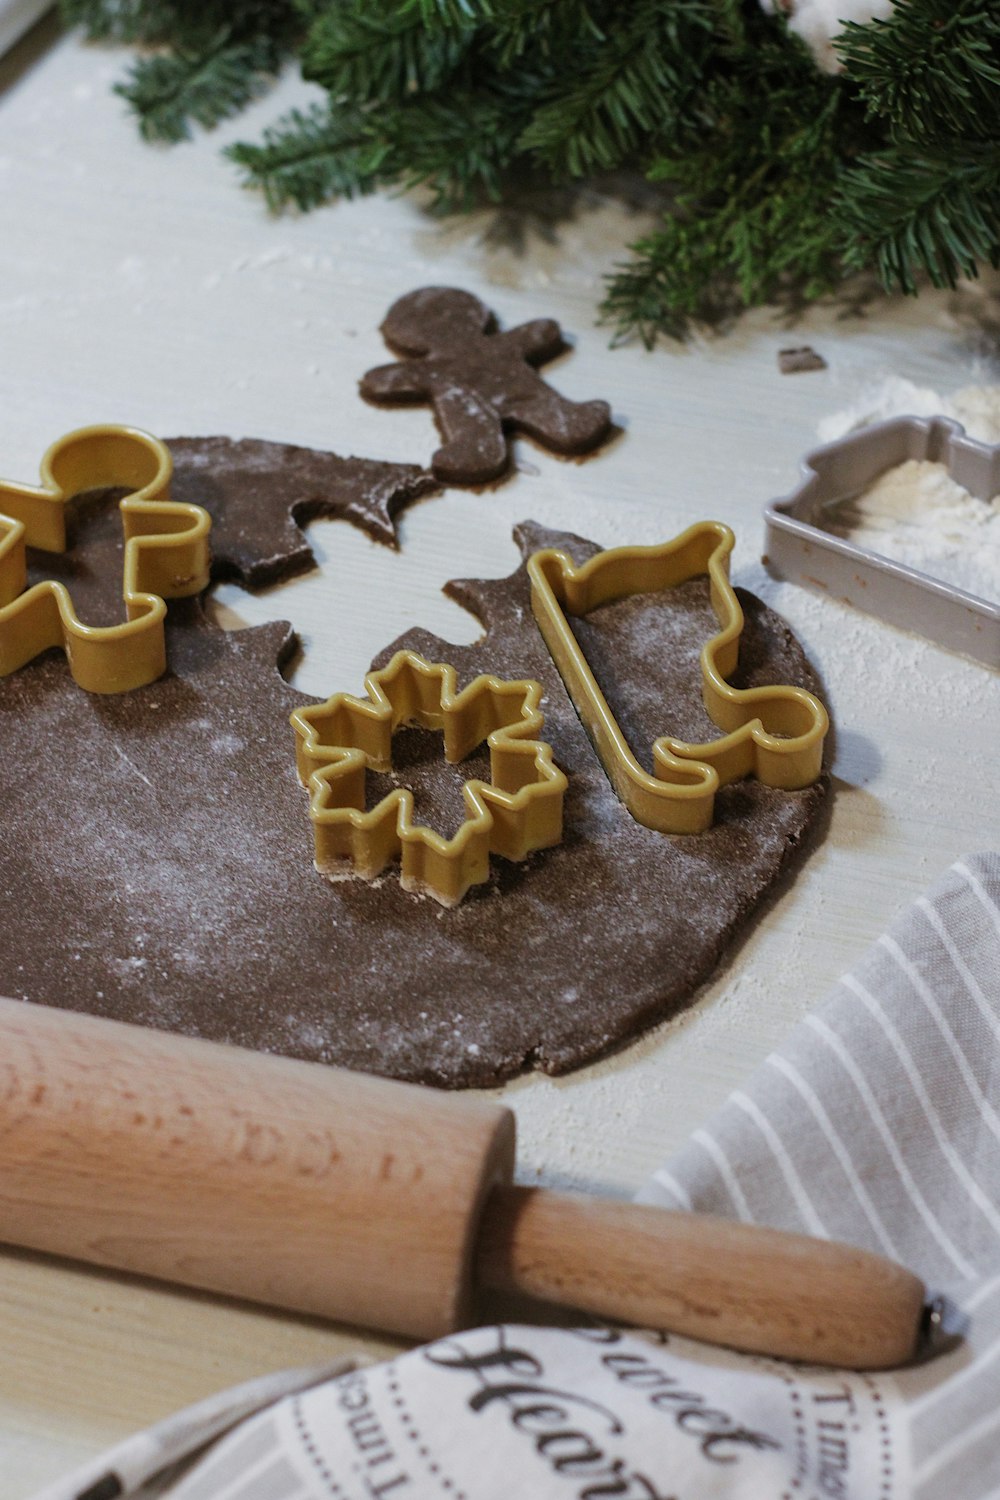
775, 733
518, 811
166, 557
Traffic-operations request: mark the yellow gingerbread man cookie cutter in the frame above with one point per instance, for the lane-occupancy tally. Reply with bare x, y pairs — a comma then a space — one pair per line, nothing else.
518, 811
775, 733
166, 557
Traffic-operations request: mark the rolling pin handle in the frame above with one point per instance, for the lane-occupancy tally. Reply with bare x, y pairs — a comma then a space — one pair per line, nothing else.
761, 1290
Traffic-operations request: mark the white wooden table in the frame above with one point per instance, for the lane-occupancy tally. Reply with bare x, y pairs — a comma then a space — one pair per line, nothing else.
142, 285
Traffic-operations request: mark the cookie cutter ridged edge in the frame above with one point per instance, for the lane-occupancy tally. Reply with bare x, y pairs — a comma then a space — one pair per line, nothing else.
519, 811
775, 732
797, 547
166, 556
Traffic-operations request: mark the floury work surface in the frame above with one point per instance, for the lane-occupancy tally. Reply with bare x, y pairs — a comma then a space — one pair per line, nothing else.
143, 286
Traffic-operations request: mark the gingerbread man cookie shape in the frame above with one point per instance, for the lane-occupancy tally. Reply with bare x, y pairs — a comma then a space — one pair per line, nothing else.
481, 383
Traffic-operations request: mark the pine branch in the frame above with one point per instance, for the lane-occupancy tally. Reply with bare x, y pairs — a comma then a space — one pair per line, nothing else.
932, 68
614, 99
450, 15
182, 23
934, 213
782, 179
169, 91
373, 52
311, 157
137, 21
749, 221
459, 145
546, 29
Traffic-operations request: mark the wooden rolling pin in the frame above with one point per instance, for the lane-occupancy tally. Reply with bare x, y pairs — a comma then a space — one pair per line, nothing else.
378, 1203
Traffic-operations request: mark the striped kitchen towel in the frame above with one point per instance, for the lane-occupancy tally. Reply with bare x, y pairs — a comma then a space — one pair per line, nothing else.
878, 1123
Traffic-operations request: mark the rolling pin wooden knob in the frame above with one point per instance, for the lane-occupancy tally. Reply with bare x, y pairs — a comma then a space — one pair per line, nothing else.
379, 1203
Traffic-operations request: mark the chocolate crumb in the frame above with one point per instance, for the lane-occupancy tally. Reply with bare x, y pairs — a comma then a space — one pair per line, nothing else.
799, 360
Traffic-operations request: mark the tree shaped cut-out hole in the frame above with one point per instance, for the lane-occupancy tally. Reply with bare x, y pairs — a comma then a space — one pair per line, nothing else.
361, 595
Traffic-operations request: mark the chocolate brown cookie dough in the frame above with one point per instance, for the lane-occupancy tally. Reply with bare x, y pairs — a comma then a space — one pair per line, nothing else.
260, 495
482, 384
157, 858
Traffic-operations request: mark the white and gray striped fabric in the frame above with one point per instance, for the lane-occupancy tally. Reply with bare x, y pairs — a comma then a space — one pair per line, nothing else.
879, 1123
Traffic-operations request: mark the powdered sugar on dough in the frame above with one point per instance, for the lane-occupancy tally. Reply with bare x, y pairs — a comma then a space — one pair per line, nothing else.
193, 904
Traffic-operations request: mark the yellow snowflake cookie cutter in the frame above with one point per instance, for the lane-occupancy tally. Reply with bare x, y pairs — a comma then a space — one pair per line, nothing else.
775, 733
166, 557
517, 811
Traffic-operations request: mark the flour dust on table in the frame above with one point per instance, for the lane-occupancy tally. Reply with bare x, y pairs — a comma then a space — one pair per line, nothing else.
916, 514
977, 407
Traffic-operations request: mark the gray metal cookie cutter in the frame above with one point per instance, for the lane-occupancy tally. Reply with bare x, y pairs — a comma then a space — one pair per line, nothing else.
798, 547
